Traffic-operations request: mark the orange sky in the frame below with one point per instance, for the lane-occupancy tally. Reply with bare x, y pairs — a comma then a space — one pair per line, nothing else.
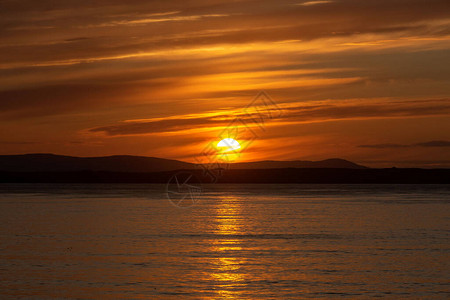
364, 80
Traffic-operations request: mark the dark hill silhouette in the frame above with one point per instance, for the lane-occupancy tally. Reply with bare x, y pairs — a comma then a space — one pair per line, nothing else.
128, 163
333, 163
60, 163
50, 168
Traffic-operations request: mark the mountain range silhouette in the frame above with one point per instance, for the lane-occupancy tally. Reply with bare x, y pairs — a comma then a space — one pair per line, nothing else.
128, 163
50, 168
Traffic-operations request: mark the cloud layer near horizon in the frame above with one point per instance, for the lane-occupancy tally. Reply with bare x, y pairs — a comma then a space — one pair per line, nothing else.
159, 77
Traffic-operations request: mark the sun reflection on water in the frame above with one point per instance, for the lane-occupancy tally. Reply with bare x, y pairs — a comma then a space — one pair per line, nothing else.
227, 264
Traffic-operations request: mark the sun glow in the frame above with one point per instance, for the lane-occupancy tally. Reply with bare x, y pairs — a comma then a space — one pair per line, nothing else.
228, 149
229, 144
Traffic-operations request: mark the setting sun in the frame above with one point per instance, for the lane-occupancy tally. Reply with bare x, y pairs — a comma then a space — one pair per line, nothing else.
228, 145
228, 150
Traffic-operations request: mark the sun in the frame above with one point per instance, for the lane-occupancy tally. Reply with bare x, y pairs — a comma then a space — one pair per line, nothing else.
228, 145
228, 149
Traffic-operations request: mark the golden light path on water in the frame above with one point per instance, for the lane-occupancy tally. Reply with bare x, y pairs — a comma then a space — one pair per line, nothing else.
227, 271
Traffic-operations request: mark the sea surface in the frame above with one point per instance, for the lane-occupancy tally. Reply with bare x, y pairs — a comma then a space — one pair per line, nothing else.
116, 241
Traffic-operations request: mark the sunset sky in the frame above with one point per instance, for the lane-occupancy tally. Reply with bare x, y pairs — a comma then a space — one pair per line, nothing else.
363, 80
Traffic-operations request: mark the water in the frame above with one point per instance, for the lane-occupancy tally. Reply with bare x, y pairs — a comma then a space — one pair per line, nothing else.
238, 242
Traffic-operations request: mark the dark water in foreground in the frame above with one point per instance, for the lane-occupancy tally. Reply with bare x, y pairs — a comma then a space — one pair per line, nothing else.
238, 242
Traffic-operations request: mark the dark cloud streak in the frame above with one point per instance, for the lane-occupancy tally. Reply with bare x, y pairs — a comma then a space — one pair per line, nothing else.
61, 26
430, 144
301, 114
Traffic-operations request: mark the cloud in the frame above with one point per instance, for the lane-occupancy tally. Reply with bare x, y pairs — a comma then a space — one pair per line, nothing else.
158, 126
293, 113
60, 99
309, 3
157, 18
433, 144
17, 143
47, 28
335, 110
384, 146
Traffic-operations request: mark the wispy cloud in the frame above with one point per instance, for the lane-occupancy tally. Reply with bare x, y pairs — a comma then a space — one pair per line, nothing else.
294, 114
309, 3
432, 144
158, 18
137, 27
